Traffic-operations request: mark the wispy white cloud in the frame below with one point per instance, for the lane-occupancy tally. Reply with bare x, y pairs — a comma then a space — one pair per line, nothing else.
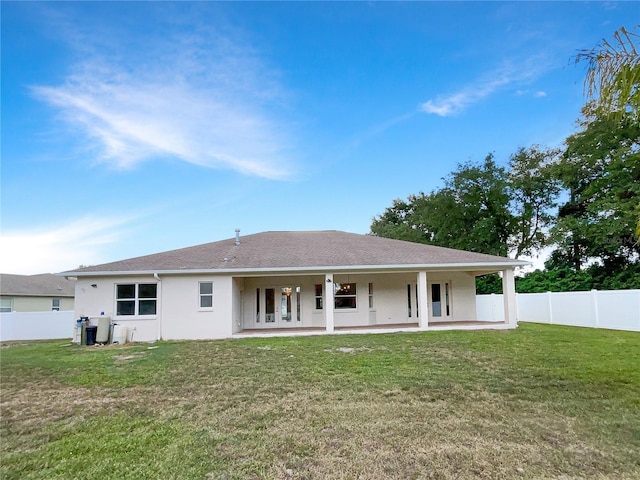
508, 75
198, 98
535, 94
61, 247
381, 128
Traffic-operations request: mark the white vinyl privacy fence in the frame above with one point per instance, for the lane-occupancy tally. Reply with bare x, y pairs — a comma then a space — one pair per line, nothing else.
36, 325
614, 309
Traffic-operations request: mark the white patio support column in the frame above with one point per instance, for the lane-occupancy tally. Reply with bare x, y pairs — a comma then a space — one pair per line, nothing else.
328, 302
159, 305
509, 297
423, 301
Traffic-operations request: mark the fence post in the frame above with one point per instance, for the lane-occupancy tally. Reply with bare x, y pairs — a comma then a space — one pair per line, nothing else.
550, 308
493, 307
594, 294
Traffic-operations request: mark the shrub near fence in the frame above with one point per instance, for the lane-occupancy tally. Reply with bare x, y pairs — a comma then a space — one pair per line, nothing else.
614, 309
36, 325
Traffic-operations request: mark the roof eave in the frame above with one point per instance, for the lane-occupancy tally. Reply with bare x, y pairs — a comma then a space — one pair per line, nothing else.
56, 295
464, 266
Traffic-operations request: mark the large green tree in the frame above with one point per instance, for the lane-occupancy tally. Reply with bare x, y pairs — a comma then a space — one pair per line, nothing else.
474, 208
533, 190
600, 169
612, 81
469, 212
482, 207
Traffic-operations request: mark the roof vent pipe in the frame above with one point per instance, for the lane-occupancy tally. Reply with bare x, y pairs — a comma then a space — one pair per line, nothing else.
237, 242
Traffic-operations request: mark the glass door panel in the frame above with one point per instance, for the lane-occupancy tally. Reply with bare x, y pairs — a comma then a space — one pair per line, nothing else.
413, 307
441, 301
285, 304
270, 305
436, 302
257, 305
446, 299
279, 307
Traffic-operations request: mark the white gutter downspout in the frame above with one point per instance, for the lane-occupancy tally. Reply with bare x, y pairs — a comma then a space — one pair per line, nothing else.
159, 305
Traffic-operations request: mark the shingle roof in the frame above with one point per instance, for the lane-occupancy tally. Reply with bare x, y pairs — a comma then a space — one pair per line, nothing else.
299, 250
43, 285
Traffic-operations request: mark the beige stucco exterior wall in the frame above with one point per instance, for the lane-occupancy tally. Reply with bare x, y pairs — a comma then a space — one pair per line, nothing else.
182, 318
38, 304
178, 315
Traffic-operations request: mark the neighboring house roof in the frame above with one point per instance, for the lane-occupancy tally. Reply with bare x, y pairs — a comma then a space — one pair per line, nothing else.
43, 285
299, 251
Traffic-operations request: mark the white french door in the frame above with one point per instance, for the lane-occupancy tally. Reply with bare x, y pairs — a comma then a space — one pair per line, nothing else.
440, 301
281, 307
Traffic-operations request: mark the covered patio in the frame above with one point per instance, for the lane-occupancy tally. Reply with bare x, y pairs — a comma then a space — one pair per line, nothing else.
378, 300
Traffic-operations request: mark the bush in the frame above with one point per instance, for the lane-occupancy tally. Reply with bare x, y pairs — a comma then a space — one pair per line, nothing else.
596, 277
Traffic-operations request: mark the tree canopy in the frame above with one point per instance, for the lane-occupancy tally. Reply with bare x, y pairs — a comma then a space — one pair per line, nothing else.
612, 81
600, 170
482, 207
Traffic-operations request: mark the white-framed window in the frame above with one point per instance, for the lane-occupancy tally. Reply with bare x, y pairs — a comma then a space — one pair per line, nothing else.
318, 296
136, 299
205, 295
6, 305
55, 304
344, 295
371, 295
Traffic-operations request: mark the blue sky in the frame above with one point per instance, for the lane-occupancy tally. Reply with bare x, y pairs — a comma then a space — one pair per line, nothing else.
134, 128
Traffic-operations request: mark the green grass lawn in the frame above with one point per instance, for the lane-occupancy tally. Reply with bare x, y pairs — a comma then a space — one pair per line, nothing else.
537, 402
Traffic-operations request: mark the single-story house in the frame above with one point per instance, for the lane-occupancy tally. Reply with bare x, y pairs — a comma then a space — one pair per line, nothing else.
35, 293
292, 282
